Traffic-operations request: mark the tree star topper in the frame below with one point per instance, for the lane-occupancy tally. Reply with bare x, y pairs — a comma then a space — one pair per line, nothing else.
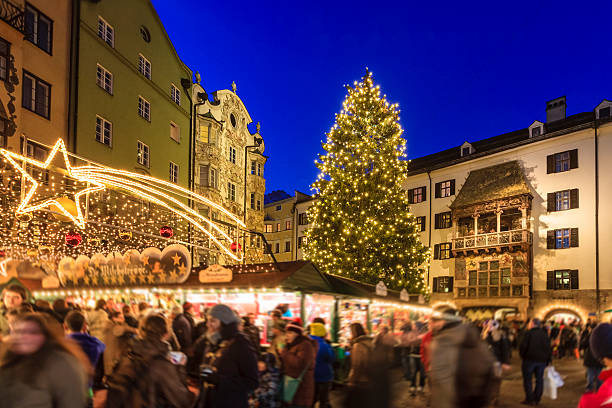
25, 206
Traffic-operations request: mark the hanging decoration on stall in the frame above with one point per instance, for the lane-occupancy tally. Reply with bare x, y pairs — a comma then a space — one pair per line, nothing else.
95, 178
215, 274
404, 295
125, 235
73, 239
381, 289
166, 231
235, 247
149, 267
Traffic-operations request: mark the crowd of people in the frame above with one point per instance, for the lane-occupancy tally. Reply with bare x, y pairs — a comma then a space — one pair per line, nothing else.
57, 355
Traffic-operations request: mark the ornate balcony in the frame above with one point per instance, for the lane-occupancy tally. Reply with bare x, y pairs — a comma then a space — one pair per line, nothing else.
494, 240
12, 14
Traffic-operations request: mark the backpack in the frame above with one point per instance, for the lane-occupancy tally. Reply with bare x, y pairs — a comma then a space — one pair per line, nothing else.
475, 376
128, 385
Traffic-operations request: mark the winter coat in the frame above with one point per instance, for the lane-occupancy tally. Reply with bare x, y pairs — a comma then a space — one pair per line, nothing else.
499, 346
96, 321
268, 393
60, 382
252, 333
589, 359
535, 346
162, 383
91, 346
182, 330
426, 350
361, 355
298, 356
603, 397
4, 326
235, 362
117, 338
131, 321
325, 358
445, 349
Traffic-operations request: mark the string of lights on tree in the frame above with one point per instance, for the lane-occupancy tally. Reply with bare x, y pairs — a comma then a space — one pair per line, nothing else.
362, 227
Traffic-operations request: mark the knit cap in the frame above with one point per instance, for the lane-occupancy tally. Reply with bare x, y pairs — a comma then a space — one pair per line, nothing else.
223, 313
601, 341
294, 327
317, 329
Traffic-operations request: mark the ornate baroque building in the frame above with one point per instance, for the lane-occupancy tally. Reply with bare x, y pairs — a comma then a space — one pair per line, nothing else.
228, 167
517, 222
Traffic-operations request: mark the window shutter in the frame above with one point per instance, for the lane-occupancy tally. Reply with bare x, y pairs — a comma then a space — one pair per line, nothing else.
550, 202
573, 159
435, 284
411, 196
204, 173
27, 92
574, 279
424, 193
450, 284
438, 190
550, 164
437, 251
574, 237
452, 187
550, 280
423, 221
437, 223
450, 251
574, 198
550, 239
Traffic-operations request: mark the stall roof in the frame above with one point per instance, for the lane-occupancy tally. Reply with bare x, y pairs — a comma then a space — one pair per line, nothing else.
355, 288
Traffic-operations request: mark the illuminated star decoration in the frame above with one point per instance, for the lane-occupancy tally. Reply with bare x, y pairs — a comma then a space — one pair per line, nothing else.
176, 258
25, 207
145, 187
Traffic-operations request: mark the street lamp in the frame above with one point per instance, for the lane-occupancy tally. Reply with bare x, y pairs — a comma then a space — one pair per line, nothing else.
258, 141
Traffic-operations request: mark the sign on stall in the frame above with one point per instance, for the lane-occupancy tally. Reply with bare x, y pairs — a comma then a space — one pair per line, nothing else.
215, 274
381, 289
404, 295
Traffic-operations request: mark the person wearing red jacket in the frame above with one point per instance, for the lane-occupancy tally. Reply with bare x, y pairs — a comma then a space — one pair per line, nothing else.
601, 346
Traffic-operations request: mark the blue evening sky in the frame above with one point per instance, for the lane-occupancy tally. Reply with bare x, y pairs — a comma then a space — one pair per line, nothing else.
459, 70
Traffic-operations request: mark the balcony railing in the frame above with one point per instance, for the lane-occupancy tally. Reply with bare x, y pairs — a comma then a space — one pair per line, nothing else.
12, 15
494, 239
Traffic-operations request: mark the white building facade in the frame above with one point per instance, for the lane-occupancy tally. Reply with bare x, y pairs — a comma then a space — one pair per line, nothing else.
519, 223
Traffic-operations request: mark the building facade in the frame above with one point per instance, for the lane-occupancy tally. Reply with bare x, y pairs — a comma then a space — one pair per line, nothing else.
131, 99
285, 223
516, 222
228, 167
35, 40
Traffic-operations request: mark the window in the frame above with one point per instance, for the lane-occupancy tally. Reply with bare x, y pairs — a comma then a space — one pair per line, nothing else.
40, 153
106, 32
252, 201
562, 238
231, 191
536, 131
562, 200
505, 274
38, 28
443, 220
145, 34
277, 247
302, 241
287, 246
287, 225
144, 67
253, 167
144, 108
563, 161
303, 218
417, 195
175, 93
278, 207
232, 155
442, 251
104, 79
175, 132
443, 284
214, 178
208, 176
174, 172
142, 155
258, 205
268, 227
472, 279
206, 133
604, 113
278, 226
36, 95
465, 151
445, 188
259, 171
562, 279
104, 131
420, 222
5, 48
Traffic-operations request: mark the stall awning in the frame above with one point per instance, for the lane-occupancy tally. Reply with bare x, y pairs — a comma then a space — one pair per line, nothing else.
353, 288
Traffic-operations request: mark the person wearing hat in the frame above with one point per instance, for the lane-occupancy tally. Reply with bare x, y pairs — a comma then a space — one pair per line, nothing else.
182, 329
230, 370
536, 354
298, 359
600, 343
324, 373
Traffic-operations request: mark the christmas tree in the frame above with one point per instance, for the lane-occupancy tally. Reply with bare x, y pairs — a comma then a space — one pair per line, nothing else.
362, 227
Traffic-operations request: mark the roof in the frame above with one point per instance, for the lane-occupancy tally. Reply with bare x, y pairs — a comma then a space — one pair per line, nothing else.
492, 183
498, 143
355, 288
276, 195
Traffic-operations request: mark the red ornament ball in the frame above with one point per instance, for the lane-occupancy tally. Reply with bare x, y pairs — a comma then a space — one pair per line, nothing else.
73, 239
166, 231
2, 254
235, 246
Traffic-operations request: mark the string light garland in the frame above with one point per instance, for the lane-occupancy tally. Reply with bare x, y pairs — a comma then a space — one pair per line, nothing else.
362, 227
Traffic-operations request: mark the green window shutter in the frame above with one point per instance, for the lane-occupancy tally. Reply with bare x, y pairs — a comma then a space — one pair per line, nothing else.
574, 237
550, 164
574, 198
573, 159
550, 239
550, 202
550, 280
574, 279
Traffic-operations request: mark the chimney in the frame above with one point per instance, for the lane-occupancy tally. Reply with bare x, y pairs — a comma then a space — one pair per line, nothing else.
555, 109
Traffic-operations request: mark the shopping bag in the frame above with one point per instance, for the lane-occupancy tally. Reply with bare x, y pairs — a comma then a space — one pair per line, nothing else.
551, 381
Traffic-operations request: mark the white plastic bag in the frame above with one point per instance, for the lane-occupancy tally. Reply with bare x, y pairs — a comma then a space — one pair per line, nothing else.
552, 381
